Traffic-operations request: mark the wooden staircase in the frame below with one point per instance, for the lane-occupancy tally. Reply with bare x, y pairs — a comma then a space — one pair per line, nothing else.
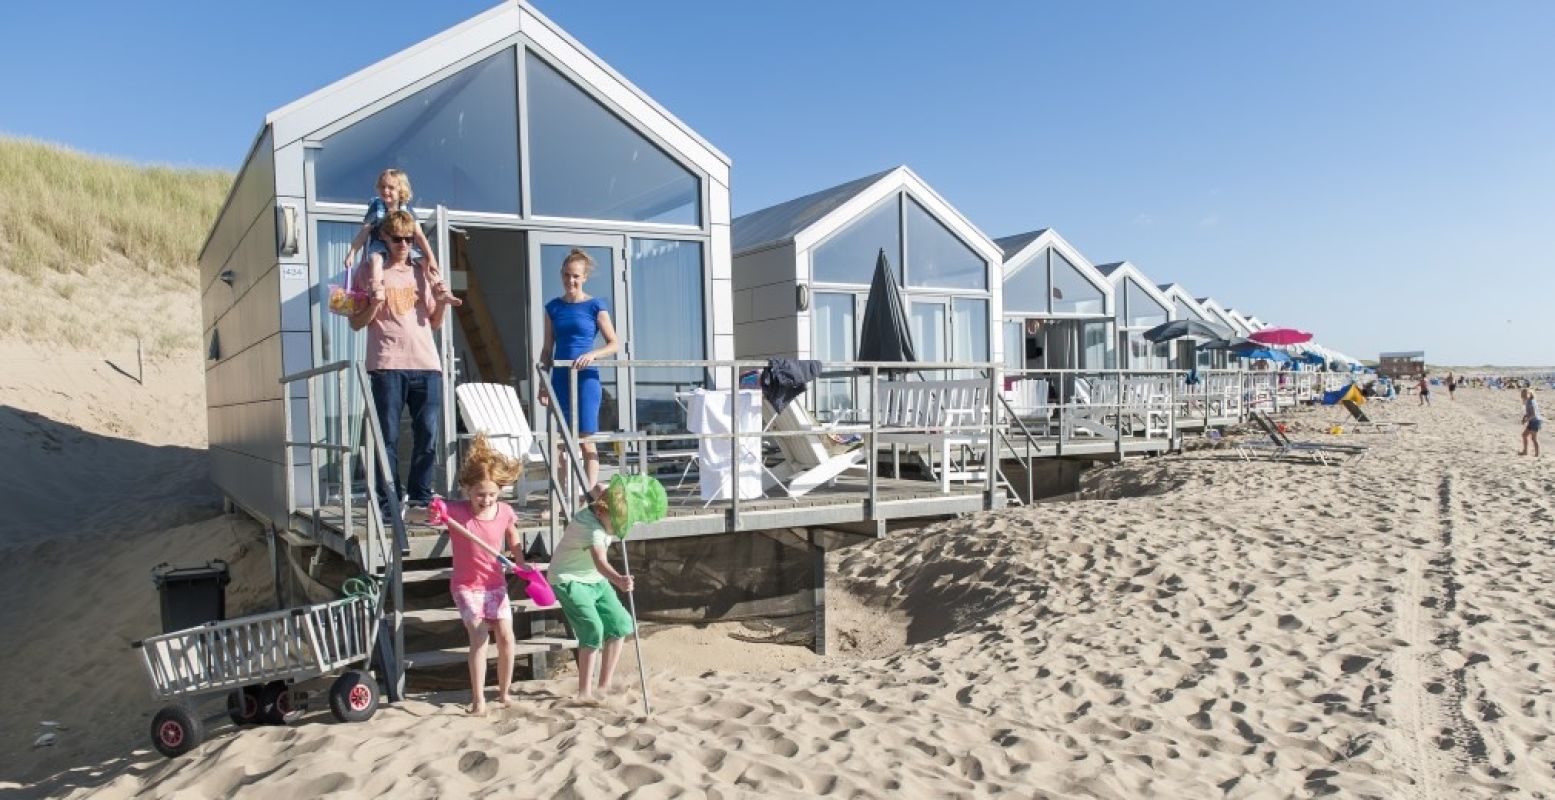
432, 620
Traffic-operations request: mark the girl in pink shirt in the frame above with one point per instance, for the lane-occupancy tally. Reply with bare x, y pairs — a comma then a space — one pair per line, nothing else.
479, 586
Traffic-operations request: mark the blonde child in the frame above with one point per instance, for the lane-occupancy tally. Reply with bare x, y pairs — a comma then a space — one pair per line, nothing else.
583, 577
479, 585
393, 194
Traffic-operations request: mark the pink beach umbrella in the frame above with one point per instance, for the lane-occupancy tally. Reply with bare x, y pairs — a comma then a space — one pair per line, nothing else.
1280, 337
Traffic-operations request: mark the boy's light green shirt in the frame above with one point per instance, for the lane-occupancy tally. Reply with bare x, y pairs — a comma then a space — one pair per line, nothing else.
571, 561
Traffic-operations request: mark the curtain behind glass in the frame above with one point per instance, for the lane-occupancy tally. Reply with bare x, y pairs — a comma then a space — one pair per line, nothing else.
667, 323
338, 341
834, 330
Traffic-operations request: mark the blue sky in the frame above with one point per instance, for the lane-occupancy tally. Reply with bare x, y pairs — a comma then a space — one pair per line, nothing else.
1382, 173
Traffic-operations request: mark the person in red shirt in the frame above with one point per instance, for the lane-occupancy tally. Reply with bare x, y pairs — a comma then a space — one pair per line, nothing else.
479, 585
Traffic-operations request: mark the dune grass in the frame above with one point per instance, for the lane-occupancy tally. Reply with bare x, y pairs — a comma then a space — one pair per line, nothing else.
98, 252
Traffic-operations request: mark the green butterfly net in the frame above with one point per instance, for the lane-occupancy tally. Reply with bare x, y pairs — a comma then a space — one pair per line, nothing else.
634, 499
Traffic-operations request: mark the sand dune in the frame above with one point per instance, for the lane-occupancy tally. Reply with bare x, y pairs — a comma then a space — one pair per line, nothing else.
1264, 629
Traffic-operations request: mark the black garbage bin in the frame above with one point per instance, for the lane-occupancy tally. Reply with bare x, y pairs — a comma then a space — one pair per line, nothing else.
191, 596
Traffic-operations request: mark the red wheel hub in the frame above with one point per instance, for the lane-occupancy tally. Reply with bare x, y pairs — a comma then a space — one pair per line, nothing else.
359, 697
171, 733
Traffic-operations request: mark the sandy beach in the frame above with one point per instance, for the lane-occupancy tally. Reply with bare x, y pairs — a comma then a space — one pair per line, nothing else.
1219, 629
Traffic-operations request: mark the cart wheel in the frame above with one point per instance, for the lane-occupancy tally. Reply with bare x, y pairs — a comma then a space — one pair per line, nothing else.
174, 731
279, 704
243, 705
354, 697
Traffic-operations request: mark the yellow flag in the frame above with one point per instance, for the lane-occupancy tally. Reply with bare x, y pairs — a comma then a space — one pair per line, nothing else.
1355, 394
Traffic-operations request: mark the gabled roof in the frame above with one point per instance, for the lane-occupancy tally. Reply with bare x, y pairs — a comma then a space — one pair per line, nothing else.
1240, 321
1217, 311
1176, 292
1118, 270
369, 86
777, 224
1014, 244
1021, 248
810, 219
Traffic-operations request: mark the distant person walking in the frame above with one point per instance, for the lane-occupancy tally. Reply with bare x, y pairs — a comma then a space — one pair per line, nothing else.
572, 322
1424, 388
1452, 386
402, 362
1532, 422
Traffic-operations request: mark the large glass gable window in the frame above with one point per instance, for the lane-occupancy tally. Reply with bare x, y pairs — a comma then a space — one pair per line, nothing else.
1143, 310
938, 258
1026, 290
1072, 293
1185, 312
586, 163
457, 139
849, 255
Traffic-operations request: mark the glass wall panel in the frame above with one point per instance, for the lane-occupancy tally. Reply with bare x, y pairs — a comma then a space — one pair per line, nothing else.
1184, 311
927, 320
970, 340
1027, 290
1098, 350
849, 255
339, 343
1072, 293
667, 323
939, 259
834, 328
1014, 334
601, 284
457, 139
1143, 310
587, 163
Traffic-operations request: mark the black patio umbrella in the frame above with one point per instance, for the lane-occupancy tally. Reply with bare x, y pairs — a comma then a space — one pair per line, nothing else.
1227, 343
1178, 328
885, 335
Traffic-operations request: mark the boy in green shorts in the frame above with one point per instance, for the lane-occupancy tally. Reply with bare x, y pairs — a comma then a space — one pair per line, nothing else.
583, 576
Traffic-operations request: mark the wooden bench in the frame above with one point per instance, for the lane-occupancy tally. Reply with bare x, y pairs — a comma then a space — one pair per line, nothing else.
923, 410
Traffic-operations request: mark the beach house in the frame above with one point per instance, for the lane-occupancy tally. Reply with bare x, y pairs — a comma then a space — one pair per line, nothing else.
521, 145
1058, 310
1139, 307
802, 271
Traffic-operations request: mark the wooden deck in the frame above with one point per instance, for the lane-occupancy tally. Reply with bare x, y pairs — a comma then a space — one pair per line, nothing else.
843, 504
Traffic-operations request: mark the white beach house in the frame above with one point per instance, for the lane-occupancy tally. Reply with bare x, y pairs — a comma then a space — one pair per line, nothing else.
1058, 309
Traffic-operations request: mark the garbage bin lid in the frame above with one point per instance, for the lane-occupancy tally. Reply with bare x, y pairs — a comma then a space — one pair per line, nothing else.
214, 569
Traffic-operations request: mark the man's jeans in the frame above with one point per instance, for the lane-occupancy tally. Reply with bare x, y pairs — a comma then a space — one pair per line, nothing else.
422, 391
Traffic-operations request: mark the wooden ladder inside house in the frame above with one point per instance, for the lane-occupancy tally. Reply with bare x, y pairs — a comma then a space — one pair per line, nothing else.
475, 320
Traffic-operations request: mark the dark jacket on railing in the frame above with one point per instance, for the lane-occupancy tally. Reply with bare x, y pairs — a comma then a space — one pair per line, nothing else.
783, 379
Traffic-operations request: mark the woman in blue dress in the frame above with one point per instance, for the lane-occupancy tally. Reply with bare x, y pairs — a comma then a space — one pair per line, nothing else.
572, 322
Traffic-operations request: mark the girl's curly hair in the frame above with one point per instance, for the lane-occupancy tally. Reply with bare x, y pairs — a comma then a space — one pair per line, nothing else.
483, 463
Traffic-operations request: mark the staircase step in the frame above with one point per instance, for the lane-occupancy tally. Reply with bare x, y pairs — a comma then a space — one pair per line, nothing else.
457, 655
444, 573
427, 616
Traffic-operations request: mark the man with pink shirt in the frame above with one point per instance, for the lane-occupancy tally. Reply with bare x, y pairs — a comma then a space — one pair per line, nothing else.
402, 361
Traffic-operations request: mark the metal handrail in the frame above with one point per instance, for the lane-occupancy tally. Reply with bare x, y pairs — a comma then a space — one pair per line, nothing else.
378, 551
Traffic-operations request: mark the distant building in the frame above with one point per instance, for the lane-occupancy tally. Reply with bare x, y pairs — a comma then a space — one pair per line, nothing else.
1402, 366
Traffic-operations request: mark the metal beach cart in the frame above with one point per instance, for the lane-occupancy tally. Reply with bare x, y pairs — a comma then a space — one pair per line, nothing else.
258, 660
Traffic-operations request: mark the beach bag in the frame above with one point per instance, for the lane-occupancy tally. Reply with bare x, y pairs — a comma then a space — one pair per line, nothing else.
346, 302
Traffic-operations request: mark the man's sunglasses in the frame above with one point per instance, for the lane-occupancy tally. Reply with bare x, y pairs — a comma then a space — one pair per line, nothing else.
402, 239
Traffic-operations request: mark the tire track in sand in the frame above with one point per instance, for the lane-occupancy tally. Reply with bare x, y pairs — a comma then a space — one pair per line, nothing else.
1433, 736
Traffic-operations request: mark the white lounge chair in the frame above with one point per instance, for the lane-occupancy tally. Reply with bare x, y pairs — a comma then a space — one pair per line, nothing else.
494, 409
807, 460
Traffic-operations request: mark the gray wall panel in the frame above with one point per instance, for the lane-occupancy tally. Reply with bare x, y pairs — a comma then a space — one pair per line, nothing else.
253, 429
763, 267
246, 377
773, 337
253, 194
251, 482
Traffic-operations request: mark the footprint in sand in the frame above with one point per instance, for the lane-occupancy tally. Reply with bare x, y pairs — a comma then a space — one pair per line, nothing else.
478, 766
